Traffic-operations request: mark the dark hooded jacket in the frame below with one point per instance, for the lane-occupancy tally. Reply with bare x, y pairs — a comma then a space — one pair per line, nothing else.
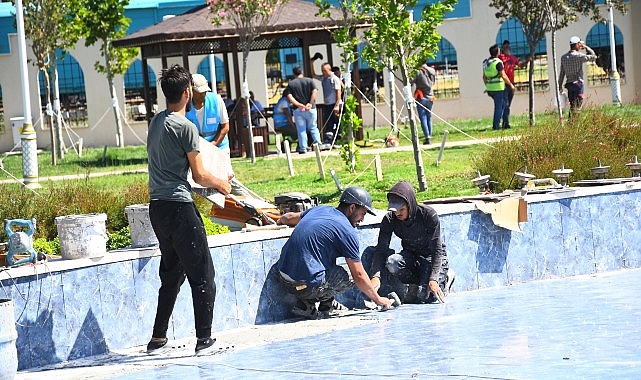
420, 234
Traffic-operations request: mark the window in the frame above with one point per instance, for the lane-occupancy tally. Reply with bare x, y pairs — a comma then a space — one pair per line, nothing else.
369, 75
445, 63
279, 66
134, 91
71, 84
598, 73
511, 30
289, 58
221, 82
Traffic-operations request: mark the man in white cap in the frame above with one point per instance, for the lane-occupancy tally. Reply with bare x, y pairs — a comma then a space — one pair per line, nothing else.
572, 71
209, 113
420, 272
424, 96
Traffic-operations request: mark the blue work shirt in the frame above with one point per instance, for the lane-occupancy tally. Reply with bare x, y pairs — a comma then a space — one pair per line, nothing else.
322, 235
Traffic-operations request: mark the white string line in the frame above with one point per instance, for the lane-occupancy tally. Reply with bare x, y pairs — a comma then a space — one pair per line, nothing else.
362, 172
124, 118
450, 125
17, 180
67, 129
397, 89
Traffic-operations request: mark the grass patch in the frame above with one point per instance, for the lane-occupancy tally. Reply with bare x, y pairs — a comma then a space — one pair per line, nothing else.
608, 133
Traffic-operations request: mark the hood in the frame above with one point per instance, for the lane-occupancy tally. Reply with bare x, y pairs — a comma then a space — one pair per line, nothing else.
405, 191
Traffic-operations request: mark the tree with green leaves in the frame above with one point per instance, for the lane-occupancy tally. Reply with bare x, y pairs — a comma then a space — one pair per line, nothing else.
104, 21
538, 17
346, 39
250, 17
52, 25
401, 44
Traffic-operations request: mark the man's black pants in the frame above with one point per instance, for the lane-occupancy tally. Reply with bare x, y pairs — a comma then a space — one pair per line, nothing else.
184, 254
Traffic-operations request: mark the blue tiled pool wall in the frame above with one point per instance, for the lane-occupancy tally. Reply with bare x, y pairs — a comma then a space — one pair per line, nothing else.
87, 311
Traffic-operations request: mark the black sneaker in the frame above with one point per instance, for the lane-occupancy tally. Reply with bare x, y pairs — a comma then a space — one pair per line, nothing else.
331, 307
205, 346
155, 346
305, 309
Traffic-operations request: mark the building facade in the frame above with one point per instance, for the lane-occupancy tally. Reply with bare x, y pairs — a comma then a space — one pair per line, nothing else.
467, 33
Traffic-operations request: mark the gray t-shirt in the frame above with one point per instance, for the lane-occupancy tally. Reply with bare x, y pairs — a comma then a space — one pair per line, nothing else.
170, 137
425, 81
330, 85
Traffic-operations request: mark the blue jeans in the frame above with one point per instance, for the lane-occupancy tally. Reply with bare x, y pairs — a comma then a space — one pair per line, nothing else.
509, 95
424, 108
306, 121
499, 107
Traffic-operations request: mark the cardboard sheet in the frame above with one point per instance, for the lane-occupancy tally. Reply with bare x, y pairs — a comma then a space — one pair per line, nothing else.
507, 213
216, 162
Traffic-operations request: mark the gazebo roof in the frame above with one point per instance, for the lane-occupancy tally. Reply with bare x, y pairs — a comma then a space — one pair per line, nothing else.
192, 33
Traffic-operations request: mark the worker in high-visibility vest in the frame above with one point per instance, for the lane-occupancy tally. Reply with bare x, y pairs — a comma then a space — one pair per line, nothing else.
495, 81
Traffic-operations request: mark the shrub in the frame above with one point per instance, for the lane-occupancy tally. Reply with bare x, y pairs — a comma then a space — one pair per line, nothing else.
68, 198
119, 239
48, 247
212, 228
594, 136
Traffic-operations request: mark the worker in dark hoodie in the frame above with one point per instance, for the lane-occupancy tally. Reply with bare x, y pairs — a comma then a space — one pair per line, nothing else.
419, 273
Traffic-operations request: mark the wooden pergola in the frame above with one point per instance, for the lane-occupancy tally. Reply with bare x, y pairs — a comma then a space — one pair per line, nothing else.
192, 33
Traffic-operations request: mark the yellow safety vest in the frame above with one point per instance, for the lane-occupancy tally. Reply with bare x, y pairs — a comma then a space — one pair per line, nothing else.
492, 75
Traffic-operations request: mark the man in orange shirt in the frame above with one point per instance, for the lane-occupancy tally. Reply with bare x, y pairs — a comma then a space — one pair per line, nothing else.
510, 62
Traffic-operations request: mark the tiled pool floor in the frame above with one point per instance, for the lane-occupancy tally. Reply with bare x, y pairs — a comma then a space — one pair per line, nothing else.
584, 327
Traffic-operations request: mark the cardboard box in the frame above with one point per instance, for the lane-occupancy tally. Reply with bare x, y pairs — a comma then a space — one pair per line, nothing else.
507, 213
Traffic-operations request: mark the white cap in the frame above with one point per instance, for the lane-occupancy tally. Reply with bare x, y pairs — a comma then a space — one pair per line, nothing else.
575, 40
200, 83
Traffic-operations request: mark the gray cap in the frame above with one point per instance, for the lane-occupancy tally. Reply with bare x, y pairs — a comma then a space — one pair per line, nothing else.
395, 203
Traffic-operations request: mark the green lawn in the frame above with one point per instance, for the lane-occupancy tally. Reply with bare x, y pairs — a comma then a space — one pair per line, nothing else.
269, 176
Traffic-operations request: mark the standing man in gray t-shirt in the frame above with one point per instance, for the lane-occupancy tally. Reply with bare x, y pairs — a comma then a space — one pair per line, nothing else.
332, 100
173, 149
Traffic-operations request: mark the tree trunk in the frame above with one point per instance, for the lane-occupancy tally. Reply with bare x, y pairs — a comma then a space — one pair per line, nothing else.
120, 141
345, 129
531, 85
57, 115
392, 96
52, 134
418, 158
559, 108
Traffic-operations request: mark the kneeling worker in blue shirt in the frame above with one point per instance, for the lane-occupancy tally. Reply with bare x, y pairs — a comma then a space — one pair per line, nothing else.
307, 265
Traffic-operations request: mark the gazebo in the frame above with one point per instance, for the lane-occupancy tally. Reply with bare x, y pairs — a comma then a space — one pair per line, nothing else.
192, 33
